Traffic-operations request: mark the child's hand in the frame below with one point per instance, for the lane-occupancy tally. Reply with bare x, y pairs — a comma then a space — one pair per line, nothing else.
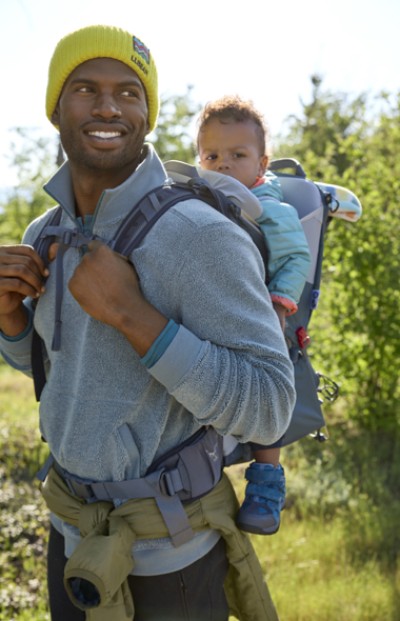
281, 312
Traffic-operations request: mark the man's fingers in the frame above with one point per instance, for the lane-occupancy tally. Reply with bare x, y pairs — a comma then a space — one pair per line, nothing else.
20, 287
22, 255
53, 251
21, 271
96, 244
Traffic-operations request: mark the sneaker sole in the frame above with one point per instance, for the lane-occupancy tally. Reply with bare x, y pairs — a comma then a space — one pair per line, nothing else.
255, 530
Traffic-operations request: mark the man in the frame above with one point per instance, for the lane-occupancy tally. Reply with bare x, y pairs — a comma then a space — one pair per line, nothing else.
147, 356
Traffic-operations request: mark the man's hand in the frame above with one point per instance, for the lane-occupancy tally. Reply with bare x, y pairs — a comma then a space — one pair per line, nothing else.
22, 273
106, 286
103, 283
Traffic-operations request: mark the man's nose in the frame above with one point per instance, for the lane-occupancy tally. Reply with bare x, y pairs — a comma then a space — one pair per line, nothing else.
106, 106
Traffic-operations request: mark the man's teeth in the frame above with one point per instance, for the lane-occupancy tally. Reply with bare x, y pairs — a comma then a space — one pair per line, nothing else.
105, 135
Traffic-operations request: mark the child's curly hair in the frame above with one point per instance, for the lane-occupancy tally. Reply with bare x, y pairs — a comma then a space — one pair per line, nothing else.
233, 108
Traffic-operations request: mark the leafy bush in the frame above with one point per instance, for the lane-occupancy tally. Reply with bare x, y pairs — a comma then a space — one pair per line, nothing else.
23, 516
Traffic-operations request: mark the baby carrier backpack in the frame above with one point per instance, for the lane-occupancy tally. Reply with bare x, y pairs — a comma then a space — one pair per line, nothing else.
316, 204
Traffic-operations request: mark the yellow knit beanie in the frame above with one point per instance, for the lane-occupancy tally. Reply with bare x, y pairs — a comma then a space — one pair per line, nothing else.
102, 42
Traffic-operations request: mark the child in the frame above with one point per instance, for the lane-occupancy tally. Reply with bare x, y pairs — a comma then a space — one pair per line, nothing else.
232, 140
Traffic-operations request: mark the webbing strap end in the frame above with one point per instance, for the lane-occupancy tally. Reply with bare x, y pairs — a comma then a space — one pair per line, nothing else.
175, 518
44, 470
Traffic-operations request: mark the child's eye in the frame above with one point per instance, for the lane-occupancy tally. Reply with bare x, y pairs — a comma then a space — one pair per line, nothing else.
238, 155
211, 157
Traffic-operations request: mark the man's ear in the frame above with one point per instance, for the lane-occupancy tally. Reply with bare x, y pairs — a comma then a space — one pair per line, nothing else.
55, 117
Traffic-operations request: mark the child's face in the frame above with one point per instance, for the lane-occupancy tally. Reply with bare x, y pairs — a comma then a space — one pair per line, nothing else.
232, 149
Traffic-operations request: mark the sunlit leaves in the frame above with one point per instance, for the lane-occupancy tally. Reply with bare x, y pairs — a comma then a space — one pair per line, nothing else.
356, 144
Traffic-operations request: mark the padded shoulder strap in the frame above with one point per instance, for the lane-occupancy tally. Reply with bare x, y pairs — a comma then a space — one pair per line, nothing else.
41, 245
157, 202
129, 235
145, 214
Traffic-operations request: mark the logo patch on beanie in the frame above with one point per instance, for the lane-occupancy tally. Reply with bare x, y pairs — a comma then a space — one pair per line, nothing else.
141, 49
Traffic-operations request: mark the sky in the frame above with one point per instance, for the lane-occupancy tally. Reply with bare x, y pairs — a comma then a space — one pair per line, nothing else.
259, 49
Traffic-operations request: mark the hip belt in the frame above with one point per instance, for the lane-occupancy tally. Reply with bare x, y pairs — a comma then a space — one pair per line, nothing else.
188, 472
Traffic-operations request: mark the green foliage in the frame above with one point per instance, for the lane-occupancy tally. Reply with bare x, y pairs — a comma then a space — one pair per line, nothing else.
356, 328
336, 555
312, 577
350, 471
321, 138
172, 134
23, 516
24, 528
34, 161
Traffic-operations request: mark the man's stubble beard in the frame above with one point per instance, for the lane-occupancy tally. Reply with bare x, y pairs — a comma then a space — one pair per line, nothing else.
102, 160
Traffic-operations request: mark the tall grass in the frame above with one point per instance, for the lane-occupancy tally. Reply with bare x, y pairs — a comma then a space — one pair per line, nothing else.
23, 517
335, 557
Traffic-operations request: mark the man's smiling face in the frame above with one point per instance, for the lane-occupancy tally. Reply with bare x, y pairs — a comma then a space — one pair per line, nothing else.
102, 115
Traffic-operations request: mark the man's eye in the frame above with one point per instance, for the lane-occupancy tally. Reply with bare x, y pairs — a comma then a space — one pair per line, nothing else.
129, 93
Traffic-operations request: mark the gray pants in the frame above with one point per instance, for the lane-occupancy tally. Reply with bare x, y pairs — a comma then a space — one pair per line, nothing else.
195, 593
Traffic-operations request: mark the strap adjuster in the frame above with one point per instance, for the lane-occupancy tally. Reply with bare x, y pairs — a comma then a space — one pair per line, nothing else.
171, 482
82, 490
67, 237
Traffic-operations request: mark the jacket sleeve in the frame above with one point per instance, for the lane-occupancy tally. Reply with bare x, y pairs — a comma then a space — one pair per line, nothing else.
289, 252
17, 350
228, 363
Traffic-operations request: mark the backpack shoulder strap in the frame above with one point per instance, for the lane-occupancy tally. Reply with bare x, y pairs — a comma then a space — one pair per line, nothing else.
145, 214
157, 202
37, 363
41, 245
130, 234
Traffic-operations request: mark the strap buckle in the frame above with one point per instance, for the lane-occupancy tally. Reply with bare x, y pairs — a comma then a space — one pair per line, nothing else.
171, 482
82, 490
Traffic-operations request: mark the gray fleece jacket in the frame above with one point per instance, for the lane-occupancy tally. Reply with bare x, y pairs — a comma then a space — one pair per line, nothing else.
103, 413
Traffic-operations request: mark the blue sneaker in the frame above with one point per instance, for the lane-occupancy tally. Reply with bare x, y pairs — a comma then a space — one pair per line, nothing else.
264, 499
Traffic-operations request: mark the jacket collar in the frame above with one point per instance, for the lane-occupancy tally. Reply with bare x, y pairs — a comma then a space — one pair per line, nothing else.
114, 203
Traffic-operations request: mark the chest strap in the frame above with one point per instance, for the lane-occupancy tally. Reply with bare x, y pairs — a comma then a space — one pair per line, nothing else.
66, 238
189, 472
